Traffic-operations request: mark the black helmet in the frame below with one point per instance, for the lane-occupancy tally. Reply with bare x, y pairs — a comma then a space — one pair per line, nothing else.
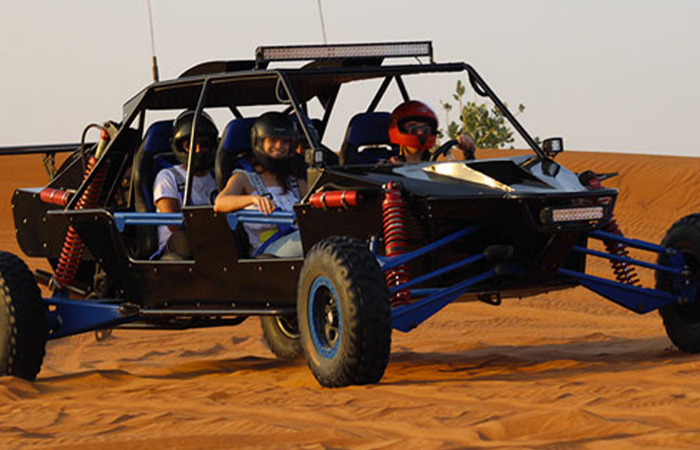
207, 134
274, 125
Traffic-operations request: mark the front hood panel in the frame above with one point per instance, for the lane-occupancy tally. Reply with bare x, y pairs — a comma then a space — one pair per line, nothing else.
514, 177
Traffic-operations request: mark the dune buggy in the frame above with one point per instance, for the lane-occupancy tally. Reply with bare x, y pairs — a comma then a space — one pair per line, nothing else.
386, 246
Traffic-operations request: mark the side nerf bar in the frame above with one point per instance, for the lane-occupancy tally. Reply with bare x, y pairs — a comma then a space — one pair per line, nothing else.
122, 219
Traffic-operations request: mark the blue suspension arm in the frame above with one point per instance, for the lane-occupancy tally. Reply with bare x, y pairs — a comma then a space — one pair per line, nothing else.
406, 317
395, 261
638, 299
67, 317
613, 257
436, 273
635, 243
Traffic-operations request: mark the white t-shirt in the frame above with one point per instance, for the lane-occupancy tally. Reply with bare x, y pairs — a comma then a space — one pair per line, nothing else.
166, 186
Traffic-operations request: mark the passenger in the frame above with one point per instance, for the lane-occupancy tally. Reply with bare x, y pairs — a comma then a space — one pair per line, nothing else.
169, 185
413, 129
269, 187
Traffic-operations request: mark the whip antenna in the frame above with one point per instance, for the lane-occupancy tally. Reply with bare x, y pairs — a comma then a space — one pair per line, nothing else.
154, 60
323, 24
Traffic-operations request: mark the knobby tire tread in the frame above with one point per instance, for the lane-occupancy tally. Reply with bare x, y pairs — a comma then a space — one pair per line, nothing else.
26, 317
366, 363
282, 346
684, 335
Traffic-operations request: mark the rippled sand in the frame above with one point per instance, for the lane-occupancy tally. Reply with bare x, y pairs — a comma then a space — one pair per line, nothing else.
564, 370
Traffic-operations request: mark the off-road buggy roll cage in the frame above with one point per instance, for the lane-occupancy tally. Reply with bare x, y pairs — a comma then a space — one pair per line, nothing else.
224, 84
232, 84
435, 231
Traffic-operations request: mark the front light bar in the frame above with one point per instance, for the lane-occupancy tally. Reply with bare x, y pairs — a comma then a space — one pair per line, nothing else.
557, 215
343, 51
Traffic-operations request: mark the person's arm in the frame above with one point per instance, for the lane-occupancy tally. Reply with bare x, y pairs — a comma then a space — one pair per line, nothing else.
168, 205
165, 195
236, 195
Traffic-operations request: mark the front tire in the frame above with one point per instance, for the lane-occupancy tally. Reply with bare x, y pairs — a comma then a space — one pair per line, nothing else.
344, 313
682, 322
23, 327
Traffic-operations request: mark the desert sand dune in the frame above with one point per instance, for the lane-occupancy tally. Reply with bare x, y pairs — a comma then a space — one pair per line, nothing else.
563, 370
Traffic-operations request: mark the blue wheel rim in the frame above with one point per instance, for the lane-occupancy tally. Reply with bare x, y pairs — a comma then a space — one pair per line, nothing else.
324, 317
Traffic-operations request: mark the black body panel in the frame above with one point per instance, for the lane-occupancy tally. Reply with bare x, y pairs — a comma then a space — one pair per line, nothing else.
216, 278
438, 206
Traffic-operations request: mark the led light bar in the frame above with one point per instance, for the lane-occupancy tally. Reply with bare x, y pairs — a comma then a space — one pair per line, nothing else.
577, 214
343, 51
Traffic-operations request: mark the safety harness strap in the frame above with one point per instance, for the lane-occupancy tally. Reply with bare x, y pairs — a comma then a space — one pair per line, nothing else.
261, 189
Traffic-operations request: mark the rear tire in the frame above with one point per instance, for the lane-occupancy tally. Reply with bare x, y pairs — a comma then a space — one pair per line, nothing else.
682, 322
344, 313
23, 327
281, 335
103, 334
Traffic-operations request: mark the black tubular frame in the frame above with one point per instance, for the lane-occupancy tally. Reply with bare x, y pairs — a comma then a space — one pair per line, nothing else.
149, 99
49, 149
402, 88
379, 95
483, 89
193, 140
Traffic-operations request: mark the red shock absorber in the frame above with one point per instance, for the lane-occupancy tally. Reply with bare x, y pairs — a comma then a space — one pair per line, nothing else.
623, 271
73, 246
395, 242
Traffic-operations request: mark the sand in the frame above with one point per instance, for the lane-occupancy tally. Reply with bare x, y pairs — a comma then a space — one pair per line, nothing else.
563, 370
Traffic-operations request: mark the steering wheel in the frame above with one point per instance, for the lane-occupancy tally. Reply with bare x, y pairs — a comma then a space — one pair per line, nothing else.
443, 149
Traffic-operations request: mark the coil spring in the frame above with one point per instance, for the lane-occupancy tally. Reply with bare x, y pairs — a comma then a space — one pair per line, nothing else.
624, 273
395, 242
73, 246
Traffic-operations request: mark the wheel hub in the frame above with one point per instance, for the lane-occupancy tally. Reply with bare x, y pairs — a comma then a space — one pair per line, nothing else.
324, 317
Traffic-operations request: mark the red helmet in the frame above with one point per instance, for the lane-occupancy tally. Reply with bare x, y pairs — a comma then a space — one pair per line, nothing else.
408, 111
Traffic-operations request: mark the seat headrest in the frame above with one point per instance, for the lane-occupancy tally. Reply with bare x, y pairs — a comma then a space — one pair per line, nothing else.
235, 144
369, 129
157, 139
366, 129
236, 137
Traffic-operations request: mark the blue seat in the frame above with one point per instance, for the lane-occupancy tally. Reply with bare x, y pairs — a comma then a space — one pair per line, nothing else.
234, 147
154, 155
367, 130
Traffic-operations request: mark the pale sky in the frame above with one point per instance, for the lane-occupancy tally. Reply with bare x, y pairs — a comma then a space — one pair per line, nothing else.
607, 75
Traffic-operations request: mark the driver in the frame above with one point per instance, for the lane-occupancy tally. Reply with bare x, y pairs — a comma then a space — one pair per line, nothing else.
413, 129
169, 185
270, 186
